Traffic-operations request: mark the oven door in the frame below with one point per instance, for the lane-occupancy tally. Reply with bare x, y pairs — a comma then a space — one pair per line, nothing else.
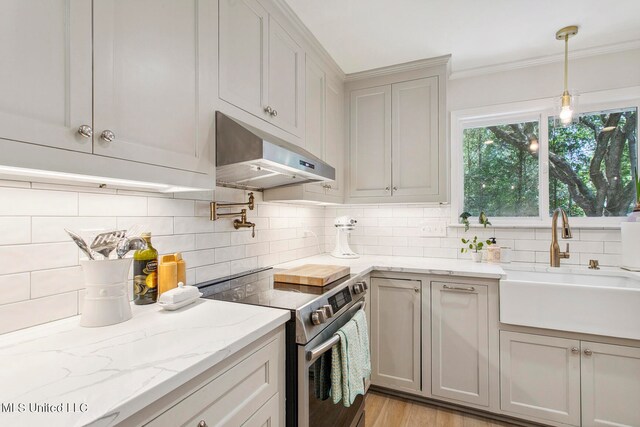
315, 406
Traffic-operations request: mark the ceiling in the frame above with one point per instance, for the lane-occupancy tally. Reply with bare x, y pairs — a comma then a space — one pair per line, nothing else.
365, 34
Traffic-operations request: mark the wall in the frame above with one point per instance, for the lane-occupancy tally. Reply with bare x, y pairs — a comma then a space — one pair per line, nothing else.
395, 230
40, 277
588, 74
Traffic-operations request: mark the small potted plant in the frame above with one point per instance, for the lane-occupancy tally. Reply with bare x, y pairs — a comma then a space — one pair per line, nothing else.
464, 219
475, 246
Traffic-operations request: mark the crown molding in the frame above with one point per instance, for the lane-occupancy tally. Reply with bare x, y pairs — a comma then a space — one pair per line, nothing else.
543, 60
397, 68
308, 36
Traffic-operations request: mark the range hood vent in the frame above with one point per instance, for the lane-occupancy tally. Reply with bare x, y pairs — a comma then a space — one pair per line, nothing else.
249, 158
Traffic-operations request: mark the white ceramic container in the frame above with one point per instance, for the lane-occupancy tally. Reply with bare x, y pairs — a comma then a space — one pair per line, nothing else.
630, 244
106, 300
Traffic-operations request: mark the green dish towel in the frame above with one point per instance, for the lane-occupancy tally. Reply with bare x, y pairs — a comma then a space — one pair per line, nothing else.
351, 361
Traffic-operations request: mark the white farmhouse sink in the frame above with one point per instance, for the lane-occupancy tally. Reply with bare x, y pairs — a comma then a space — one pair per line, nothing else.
592, 302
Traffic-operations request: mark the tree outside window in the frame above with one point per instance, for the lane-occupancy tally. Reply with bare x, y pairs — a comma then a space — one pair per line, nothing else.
592, 166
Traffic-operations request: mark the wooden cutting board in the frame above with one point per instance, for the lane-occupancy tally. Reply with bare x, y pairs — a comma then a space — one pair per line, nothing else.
312, 274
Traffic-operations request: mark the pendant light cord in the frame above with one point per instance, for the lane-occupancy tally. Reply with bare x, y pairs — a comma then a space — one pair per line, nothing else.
566, 62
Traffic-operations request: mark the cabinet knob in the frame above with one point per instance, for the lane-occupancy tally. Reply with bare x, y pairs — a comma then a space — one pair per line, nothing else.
575, 350
588, 352
395, 188
202, 423
386, 188
274, 113
108, 136
416, 290
86, 131
268, 110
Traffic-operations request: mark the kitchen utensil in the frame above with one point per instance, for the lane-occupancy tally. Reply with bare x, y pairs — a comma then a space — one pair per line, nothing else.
105, 243
106, 300
81, 243
312, 274
127, 244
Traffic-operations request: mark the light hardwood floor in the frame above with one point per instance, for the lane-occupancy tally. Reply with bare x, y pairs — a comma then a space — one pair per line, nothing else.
389, 411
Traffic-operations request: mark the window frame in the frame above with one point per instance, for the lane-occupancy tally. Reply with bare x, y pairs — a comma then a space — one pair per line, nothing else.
541, 110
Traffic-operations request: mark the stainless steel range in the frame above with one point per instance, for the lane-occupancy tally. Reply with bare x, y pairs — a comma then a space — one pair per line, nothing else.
316, 314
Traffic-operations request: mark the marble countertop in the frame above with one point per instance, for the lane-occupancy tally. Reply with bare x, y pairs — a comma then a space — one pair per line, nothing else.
443, 266
114, 371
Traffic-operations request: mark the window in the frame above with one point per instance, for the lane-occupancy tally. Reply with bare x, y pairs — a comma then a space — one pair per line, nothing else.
513, 163
590, 172
501, 169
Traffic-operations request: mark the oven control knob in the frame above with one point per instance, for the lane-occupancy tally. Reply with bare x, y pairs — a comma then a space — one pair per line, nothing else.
328, 310
318, 317
358, 288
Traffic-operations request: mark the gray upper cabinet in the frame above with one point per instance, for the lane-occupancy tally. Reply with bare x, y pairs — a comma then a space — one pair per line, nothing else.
414, 142
261, 67
154, 82
46, 108
397, 149
370, 142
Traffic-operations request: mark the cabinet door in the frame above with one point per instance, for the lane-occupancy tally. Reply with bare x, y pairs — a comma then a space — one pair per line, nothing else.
415, 144
154, 75
45, 77
243, 40
314, 135
395, 329
610, 385
540, 377
370, 142
460, 342
268, 415
334, 151
285, 80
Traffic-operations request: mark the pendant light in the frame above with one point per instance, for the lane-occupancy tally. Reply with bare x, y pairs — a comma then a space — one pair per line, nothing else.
567, 108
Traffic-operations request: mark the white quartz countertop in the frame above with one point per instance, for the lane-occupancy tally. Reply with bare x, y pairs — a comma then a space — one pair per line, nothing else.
114, 371
444, 266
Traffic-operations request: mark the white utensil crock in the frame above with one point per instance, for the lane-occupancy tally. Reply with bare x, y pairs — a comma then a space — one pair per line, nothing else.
630, 244
106, 300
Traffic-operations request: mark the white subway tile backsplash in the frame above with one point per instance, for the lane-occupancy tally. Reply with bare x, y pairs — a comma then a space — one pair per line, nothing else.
158, 225
174, 243
212, 240
170, 207
213, 271
199, 258
51, 229
15, 230
14, 288
23, 258
28, 202
56, 281
91, 204
36, 311
229, 253
192, 224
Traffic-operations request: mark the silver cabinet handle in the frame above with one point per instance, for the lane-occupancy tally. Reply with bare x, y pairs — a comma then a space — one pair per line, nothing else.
86, 131
202, 423
386, 188
274, 113
268, 110
107, 135
395, 188
459, 288
575, 350
416, 290
588, 352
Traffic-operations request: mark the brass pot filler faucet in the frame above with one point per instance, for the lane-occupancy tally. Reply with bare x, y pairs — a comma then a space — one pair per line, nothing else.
237, 223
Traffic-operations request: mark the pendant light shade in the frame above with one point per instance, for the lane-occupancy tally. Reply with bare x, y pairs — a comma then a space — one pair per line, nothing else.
566, 114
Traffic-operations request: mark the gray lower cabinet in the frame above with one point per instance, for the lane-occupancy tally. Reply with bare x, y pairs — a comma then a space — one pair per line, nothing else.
460, 342
540, 377
395, 333
610, 378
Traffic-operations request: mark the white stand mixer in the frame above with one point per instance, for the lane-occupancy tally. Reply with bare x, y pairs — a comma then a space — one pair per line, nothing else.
344, 225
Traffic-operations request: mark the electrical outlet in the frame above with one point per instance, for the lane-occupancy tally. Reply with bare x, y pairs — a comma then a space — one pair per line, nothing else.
433, 229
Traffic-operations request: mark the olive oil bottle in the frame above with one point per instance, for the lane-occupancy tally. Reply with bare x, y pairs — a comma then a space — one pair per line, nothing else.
145, 273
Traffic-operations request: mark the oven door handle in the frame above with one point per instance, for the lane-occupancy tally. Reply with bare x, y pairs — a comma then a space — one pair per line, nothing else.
319, 350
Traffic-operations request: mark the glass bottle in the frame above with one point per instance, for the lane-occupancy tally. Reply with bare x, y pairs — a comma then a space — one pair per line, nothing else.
145, 273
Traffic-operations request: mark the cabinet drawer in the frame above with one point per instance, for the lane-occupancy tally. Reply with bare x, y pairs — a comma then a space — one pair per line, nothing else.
231, 398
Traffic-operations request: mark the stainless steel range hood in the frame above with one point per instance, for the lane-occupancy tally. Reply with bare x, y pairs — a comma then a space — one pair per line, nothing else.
249, 158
